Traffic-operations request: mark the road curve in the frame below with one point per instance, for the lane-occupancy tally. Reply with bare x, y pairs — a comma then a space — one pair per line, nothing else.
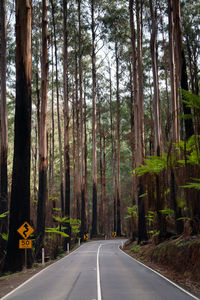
98, 271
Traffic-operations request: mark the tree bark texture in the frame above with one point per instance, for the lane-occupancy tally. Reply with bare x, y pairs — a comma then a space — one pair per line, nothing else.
43, 189
94, 128
66, 119
181, 65
20, 193
118, 146
58, 111
3, 129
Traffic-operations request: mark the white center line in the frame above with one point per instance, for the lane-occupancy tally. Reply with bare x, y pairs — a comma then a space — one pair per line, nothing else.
98, 276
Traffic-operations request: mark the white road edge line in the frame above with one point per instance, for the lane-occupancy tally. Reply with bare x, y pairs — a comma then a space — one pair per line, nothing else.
98, 276
7, 295
176, 285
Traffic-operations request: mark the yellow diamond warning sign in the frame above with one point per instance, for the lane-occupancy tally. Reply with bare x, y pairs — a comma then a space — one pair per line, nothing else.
25, 230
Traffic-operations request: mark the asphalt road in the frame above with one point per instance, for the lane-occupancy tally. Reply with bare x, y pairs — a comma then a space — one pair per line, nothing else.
98, 271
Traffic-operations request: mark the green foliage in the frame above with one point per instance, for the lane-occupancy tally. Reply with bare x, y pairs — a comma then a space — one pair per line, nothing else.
54, 198
193, 185
166, 192
4, 236
167, 212
74, 223
132, 212
3, 215
153, 165
54, 230
61, 220
151, 216
154, 233
191, 100
57, 209
136, 249
190, 149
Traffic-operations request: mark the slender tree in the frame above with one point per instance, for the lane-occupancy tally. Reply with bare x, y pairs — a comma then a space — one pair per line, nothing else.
118, 187
43, 190
58, 109
3, 128
94, 126
181, 65
20, 193
142, 233
66, 117
82, 141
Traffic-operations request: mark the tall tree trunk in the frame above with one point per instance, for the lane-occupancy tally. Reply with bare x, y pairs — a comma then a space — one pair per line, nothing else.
20, 193
118, 145
174, 99
82, 140
74, 155
43, 189
100, 210
142, 233
52, 126
94, 128
58, 111
105, 204
77, 160
113, 154
181, 65
66, 119
85, 153
3, 129
153, 46
134, 104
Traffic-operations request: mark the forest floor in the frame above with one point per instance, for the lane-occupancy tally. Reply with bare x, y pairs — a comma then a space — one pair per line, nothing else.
178, 260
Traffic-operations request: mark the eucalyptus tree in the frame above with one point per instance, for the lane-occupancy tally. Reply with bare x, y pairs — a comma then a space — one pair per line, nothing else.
43, 189
94, 122
66, 115
3, 128
182, 78
20, 191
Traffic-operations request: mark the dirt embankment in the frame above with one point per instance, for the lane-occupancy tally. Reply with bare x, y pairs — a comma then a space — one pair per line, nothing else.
178, 260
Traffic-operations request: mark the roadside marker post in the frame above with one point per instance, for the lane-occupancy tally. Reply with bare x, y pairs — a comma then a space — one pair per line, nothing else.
67, 248
25, 231
43, 256
79, 241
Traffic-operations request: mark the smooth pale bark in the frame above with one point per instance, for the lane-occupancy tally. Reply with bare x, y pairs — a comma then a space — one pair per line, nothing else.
20, 192
3, 129
43, 190
94, 127
66, 121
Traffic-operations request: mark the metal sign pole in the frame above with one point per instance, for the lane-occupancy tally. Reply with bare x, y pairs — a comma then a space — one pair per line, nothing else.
25, 258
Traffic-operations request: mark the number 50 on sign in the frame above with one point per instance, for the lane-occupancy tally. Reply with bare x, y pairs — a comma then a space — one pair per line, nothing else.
23, 244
